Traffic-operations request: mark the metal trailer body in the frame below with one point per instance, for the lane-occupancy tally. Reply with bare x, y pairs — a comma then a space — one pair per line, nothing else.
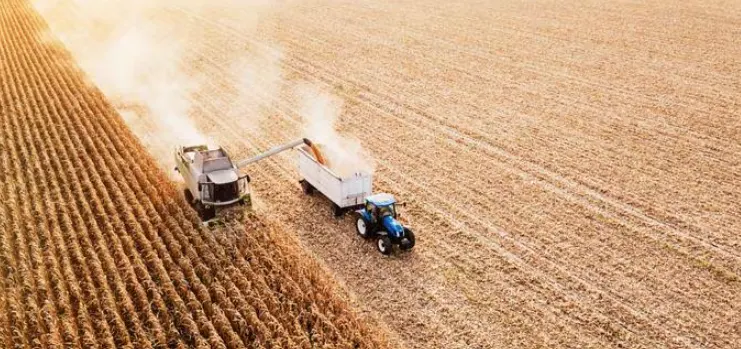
345, 192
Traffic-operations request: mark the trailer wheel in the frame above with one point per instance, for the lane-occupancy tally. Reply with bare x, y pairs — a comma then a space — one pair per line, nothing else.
337, 210
307, 187
361, 226
408, 242
384, 245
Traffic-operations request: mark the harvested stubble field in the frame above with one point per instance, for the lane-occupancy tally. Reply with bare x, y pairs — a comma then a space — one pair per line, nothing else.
99, 250
571, 167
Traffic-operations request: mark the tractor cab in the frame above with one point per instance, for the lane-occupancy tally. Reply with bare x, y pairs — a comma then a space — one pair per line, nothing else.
380, 205
379, 218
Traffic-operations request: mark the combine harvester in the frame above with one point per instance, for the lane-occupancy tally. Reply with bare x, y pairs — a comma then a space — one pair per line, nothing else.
213, 182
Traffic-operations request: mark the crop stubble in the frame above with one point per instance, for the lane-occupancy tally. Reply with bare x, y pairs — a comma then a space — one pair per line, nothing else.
571, 168
100, 250
570, 186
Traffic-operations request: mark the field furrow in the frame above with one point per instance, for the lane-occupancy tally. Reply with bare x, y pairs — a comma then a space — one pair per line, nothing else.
621, 301
609, 123
571, 172
608, 239
479, 133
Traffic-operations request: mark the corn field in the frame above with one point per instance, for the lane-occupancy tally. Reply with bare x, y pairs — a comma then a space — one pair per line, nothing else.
99, 249
570, 168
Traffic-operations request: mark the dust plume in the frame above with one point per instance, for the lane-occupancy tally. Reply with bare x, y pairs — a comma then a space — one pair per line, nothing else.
135, 63
320, 112
142, 60
258, 82
147, 58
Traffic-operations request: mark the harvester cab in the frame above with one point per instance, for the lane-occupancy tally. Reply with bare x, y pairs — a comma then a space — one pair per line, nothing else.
211, 179
379, 218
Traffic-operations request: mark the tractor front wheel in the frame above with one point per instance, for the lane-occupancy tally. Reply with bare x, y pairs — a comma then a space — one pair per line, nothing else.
384, 245
361, 226
408, 241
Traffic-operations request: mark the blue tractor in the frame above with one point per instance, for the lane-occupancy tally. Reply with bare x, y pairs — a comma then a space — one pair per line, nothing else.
378, 218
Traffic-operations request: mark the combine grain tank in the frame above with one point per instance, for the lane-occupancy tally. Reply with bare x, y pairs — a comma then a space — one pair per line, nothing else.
345, 192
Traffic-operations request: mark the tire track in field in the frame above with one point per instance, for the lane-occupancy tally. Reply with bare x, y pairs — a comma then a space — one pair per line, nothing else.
438, 37
284, 173
263, 145
386, 44
287, 171
592, 192
229, 126
381, 39
412, 125
589, 194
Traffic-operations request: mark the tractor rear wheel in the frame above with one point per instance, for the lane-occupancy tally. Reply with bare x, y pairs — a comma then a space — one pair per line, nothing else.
361, 226
384, 245
408, 242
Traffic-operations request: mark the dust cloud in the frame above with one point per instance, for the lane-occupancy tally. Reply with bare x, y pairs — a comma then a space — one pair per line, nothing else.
259, 81
320, 112
146, 61
135, 62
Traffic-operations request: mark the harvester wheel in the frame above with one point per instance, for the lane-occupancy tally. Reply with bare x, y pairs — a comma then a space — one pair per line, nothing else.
205, 213
307, 187
384, 245
209, 214
408, 242
361, 226
188, 196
